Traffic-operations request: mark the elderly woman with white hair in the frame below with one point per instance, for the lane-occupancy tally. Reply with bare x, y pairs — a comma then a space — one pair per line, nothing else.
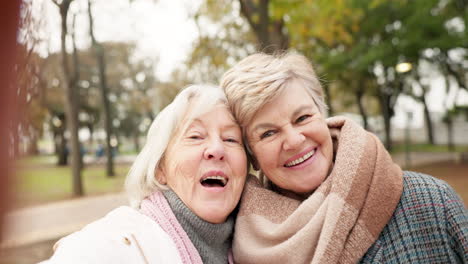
329, 192
183, 188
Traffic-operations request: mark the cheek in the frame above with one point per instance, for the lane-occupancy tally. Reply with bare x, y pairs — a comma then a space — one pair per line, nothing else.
239, 161
180, 174
267, 156
320, 133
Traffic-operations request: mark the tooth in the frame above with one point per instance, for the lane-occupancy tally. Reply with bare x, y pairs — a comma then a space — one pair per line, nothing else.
301, 159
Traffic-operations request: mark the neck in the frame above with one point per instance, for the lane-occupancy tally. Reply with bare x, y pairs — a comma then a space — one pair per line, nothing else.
212, 241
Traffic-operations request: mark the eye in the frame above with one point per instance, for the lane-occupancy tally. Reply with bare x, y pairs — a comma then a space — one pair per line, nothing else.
231, 140
267, 133
302, 118
195, 137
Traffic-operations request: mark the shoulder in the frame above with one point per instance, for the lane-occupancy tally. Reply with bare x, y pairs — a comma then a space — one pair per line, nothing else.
429, 199
429, 224
422, 190
124, 235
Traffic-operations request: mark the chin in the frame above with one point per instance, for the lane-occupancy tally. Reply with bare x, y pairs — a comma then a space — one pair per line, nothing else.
301, 188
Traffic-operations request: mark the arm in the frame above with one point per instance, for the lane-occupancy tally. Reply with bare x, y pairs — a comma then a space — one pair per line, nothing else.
457, 223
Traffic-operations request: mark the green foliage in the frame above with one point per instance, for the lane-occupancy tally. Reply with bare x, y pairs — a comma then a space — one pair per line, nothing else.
456, 111
356, 44
228, 40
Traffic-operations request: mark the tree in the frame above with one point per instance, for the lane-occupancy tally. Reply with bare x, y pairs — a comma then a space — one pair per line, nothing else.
99, 51
29, 93
356, 44
214, 53
29, 96
72, 103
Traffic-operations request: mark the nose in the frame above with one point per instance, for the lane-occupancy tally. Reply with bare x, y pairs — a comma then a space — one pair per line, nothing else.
214, 150
294, 139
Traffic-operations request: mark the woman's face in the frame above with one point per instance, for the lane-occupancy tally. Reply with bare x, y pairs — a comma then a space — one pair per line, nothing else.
291, 141
206, 165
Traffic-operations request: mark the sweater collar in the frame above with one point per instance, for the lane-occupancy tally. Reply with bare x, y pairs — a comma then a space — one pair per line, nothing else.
212, 241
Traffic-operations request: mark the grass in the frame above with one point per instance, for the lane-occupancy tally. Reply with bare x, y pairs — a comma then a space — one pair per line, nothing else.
38, 180
424, 147
36, 160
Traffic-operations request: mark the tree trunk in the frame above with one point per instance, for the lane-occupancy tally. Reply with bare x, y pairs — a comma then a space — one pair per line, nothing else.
448, 112
386, 113
98, 49
427, 119
60, 142
61, 149
33, 149
450, 144
326, 89
136, 142
359, 96
71, 105
91, 133
270, 33
76, 78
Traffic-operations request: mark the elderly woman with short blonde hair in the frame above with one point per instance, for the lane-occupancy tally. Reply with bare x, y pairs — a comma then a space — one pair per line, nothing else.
332, 193
183, 187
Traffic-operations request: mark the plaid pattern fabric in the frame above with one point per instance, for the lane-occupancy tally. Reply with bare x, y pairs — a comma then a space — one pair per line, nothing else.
429, 225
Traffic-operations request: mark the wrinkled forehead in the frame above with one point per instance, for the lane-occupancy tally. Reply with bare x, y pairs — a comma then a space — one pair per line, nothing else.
196, 113
285, 88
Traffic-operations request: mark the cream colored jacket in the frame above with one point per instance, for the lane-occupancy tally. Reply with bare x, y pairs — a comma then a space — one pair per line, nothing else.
122, 236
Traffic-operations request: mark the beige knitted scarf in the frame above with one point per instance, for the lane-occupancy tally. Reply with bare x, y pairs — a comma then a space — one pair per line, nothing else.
338, 222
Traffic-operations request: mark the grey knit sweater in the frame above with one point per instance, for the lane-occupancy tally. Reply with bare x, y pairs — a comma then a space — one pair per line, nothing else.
213, 241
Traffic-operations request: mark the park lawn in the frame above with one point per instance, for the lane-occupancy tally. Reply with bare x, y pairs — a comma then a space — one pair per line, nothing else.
38, 182
401, 147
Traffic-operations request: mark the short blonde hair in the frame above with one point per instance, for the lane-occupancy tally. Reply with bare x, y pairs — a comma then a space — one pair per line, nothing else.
142, 180
257, 79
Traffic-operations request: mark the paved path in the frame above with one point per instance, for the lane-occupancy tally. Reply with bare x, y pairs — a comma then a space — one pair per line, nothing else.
54, 220
51, 221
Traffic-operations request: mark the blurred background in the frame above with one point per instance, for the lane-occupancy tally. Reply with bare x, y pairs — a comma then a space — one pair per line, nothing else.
93, 74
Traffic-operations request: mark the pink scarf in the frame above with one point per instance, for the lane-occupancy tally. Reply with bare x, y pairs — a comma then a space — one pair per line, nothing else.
156, 207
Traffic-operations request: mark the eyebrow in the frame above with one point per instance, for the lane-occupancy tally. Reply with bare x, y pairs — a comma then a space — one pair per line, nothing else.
302, 108
197, 121
295, 113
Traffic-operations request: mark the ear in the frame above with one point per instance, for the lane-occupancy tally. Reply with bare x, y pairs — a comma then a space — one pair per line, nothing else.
160, 175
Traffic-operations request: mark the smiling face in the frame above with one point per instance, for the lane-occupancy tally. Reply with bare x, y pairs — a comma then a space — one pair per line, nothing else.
206, 165
291, 141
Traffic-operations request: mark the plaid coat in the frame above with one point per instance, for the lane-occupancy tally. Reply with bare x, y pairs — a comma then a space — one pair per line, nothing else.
429, 225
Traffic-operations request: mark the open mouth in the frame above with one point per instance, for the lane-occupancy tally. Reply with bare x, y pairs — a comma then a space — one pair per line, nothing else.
300, 160
214, 181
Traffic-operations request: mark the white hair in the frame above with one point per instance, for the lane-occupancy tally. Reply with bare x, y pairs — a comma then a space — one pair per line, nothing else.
142, 180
